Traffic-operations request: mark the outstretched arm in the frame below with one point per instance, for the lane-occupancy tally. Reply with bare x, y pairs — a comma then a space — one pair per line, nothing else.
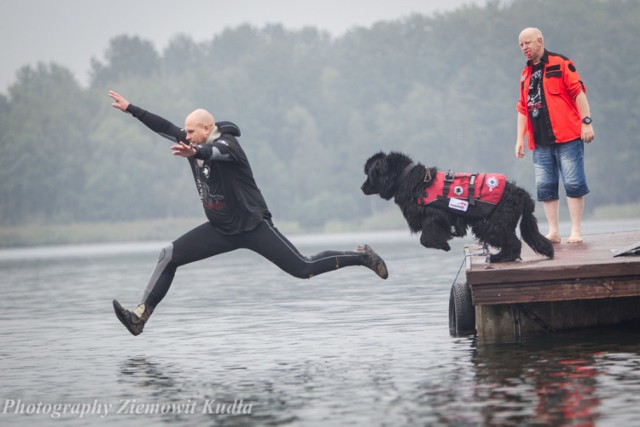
156, 123
119, 101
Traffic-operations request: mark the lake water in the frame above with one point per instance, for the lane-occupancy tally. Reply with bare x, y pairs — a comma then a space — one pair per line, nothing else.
238, 342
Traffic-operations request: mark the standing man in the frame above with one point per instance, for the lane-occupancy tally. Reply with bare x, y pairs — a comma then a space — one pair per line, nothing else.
237, 214
554, 116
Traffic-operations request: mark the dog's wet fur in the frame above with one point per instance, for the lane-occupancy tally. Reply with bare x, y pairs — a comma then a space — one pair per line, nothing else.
439, 225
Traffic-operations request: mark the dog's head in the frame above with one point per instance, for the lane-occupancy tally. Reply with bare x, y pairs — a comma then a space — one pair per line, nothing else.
382, 171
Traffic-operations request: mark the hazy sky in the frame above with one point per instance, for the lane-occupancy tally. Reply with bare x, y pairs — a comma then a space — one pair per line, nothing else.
70, 32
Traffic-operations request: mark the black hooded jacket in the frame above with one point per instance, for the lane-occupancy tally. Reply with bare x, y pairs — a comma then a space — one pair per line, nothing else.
230, 196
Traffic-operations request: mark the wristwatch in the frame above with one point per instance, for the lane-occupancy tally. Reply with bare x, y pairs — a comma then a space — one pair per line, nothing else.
587, 120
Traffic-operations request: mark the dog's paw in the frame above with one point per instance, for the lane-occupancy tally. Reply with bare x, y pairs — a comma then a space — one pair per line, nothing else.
500, 257
431, 241
442, 246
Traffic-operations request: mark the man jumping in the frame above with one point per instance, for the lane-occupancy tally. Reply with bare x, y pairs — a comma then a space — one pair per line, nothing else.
237, 214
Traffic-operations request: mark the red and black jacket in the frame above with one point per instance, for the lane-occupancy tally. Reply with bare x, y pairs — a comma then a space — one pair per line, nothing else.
561, 84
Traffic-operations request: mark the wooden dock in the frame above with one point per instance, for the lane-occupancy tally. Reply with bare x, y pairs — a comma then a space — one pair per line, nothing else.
583, 286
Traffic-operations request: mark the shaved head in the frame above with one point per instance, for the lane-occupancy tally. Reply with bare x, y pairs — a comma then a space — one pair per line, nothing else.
198, 125
200, 117
531, 32
532, 44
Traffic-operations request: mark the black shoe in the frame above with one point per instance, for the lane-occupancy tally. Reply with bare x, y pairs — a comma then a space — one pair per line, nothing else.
133, 323
373, 261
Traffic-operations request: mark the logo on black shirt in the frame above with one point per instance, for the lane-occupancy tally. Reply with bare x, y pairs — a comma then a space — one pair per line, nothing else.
215, 203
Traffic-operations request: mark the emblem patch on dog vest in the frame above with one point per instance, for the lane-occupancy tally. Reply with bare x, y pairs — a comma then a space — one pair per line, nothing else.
459, 205
492, 182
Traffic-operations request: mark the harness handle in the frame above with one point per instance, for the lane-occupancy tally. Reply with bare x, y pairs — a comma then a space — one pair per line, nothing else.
472, 189
448, 180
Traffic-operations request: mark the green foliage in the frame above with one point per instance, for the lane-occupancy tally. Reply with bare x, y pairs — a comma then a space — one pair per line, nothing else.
312, 109
126, 57
44, 147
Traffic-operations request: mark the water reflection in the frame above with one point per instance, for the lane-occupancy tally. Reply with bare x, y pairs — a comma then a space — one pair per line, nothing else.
170, 394
140, 373
552, 381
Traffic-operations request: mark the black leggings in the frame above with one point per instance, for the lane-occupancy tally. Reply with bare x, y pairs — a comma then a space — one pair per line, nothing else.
205, 241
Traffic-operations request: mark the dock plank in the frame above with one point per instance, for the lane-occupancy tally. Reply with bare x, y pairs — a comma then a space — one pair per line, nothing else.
586, 270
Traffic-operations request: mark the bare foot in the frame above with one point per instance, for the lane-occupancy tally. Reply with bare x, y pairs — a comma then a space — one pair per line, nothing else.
574, 238
554, 238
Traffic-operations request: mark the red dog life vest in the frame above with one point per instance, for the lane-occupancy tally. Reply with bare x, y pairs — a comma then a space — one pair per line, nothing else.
474, 195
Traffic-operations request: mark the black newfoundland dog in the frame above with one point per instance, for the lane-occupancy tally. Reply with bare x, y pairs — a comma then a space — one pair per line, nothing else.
443, 205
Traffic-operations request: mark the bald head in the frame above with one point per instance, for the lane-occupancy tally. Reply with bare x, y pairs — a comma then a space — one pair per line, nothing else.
532, 44
198, 125
200, 117
531, 32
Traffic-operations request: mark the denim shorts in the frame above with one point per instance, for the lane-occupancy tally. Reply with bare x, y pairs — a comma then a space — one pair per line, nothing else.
564, 160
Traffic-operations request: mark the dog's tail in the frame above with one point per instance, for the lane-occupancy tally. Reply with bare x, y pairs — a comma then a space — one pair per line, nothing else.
529, 230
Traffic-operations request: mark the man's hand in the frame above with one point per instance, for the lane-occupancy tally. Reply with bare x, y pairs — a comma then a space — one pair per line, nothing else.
587, 133
119, 102
520, 149
183, 150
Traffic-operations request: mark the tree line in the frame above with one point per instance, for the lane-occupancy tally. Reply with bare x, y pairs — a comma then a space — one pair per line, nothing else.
312, 108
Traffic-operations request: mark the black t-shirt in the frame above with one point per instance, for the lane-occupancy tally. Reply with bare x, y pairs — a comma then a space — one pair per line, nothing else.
230, 196
537, 108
